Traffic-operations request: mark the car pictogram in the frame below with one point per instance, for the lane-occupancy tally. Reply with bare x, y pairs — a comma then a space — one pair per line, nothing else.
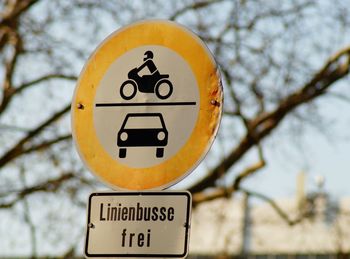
142, 130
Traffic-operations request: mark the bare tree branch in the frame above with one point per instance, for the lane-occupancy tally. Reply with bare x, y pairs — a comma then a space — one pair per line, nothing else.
44, 78
10, 65
49, 186
193, 6
46, 144
249, 170
19, 148
14, 9
10, 92
220, 192
28, 218
336, 68
284, 215
10, 36
9, 19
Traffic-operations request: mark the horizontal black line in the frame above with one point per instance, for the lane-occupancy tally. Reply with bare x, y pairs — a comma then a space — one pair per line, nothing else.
144, 104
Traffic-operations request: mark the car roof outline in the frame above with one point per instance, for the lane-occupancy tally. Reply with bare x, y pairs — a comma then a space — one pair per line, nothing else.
159, 115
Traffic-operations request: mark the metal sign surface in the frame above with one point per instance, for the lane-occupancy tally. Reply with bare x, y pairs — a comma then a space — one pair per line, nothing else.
147, 106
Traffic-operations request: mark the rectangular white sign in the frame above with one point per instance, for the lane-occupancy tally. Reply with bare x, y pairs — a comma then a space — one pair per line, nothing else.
138, 224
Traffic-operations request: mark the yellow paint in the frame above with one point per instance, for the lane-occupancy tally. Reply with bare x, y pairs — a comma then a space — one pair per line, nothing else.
187, 45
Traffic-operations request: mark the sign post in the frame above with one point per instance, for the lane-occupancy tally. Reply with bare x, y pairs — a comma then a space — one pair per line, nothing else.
145, 112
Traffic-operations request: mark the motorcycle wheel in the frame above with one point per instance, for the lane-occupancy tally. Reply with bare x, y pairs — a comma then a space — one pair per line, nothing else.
125, 93
160, 91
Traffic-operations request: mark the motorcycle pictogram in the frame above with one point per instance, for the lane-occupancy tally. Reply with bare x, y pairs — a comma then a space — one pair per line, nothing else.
151, 81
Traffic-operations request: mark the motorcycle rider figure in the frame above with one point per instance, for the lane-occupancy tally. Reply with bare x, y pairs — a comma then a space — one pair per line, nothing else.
150, 82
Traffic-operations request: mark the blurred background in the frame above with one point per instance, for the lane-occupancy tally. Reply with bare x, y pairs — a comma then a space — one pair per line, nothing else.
275, 182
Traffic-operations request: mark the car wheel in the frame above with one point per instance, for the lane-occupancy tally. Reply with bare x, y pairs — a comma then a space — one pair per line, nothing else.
160, 152
122, 152
163, 89
128, 89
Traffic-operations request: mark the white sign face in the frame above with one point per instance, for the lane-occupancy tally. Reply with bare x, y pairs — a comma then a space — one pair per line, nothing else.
134, 224
146, 106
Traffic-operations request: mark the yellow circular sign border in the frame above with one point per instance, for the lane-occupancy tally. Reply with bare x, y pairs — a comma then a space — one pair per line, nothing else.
199, 58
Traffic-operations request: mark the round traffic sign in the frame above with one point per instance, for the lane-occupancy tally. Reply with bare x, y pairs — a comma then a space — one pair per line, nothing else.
147, 106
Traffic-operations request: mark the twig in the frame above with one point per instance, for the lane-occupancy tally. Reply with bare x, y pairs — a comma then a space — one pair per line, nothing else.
260, 127
227, 191
250, 170
48, 186
18, 148
27, 217
24, 86
274, 205
193, 6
